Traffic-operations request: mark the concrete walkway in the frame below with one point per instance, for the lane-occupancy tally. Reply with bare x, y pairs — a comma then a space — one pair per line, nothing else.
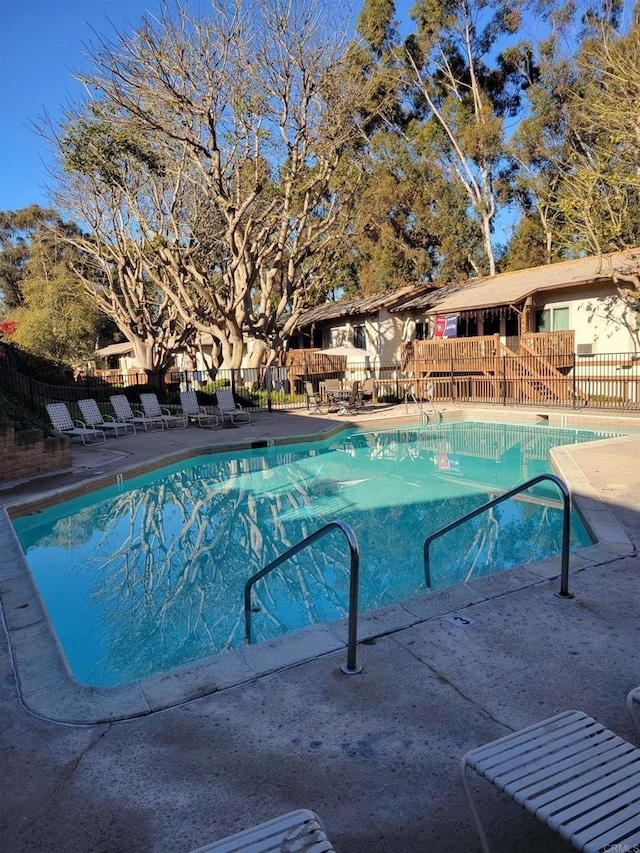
376, 755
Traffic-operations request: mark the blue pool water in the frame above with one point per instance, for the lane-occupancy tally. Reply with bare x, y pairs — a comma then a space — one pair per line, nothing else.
146, 576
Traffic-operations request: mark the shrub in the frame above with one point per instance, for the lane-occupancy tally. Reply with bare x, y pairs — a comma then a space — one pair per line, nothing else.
207, 394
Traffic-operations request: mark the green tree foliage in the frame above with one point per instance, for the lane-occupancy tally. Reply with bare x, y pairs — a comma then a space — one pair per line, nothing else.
17, 230
51, 314
527, 245
410, 223
429, 207
577, 174
599, 193
463, 89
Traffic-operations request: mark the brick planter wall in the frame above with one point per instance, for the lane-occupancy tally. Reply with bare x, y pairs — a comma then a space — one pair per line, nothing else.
27, 453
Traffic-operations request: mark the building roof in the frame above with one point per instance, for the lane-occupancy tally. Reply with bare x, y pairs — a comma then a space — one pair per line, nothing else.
115, 349
513, 287
421, 298
361, 305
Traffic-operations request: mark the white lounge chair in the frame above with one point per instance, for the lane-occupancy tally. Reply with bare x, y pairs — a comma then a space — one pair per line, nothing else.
633, 704
62, 422
154, 411
580, 779
229, 408
124, 412
295, 832
195, 412
94, 418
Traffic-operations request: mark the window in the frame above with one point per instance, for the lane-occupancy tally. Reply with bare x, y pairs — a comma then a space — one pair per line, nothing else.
338, 336
552, 320
543, 320
422, 330
560, 319
359, 337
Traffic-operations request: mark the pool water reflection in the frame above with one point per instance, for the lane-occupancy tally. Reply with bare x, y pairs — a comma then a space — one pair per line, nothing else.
148, 575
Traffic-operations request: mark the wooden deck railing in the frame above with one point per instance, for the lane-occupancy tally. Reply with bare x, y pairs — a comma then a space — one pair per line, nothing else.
548, 344
445, 349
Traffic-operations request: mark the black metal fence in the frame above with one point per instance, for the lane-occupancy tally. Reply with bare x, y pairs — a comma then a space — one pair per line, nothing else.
607, 382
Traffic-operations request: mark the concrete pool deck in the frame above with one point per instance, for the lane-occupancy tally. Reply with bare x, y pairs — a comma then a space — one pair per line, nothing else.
377, 754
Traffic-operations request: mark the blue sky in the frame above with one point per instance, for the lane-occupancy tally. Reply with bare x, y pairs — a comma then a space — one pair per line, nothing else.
41, 45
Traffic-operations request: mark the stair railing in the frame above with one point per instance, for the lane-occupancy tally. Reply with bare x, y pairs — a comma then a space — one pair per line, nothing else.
566, 527
351, 667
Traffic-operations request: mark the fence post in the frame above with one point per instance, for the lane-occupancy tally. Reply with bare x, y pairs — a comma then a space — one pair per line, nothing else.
575, 388
451, 382
504, 381
269, 384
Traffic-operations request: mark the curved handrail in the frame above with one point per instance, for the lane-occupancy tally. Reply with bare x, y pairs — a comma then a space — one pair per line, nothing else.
351, 668
566, 527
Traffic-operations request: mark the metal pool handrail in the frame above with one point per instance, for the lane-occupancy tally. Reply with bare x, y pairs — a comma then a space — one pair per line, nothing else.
566, 527
351, 668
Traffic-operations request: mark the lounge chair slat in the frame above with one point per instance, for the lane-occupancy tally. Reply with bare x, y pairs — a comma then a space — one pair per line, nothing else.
579, 778
296, 832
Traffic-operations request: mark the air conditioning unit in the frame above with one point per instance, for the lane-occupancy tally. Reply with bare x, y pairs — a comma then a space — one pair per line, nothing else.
585, 349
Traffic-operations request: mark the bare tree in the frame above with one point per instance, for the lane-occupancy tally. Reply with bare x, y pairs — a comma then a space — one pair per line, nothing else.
249, 115
120, 191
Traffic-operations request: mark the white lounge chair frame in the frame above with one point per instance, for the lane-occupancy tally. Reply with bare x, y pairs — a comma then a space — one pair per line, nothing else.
572, 773
229, 408
154, 411
298, 832
124, 412
195, 412
633, 704
62, 422
94, 418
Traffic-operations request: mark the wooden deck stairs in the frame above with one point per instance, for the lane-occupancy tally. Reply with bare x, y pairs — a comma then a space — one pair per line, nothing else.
537, 372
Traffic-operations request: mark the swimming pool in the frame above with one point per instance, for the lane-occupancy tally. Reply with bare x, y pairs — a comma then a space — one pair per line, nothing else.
146, 576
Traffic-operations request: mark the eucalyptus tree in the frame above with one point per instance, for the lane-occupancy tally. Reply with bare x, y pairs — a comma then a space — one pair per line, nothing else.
457, 78
250, 108
464, 88
410, 222
599, 191
565, 146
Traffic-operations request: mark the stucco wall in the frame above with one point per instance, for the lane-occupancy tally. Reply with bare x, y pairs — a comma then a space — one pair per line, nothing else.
597, 316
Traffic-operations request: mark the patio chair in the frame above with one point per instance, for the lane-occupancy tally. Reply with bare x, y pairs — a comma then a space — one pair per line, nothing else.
229, 408
633, 704
572, 773
334, 392
315, 403
63, 423
94, 418
124, 412
298, 832
195, 412
353, 403
152, 409
367, 390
